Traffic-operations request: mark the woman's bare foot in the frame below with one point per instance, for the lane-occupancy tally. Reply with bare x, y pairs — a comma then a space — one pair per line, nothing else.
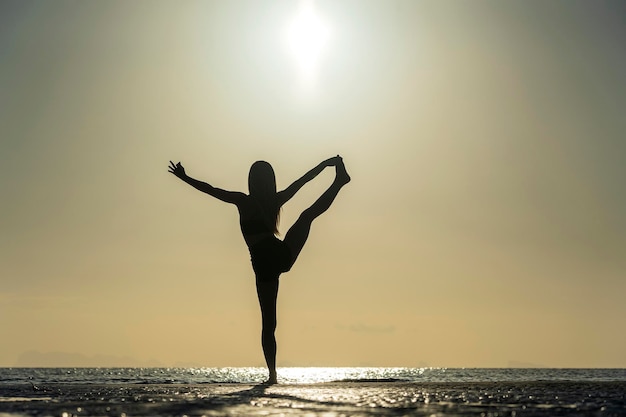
271, 380
342, 175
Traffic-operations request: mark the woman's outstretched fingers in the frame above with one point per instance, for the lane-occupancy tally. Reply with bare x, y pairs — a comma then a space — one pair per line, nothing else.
177, 169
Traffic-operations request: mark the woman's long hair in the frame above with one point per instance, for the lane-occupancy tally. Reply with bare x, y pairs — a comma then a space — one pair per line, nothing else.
262, 187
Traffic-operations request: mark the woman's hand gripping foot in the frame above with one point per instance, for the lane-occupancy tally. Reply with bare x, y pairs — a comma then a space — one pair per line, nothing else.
342, 175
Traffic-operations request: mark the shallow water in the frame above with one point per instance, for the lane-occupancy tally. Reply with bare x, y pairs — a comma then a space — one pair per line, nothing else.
373, 392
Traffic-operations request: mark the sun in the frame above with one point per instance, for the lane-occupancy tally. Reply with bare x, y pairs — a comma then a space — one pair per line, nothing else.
307, 35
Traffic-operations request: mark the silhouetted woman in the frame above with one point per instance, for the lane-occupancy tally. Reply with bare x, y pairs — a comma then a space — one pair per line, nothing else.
259, 214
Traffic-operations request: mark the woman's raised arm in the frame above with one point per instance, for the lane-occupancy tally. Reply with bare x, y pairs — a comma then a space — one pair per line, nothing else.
232, 197
287, 193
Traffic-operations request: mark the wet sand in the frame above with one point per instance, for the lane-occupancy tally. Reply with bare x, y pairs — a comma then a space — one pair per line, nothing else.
324, 399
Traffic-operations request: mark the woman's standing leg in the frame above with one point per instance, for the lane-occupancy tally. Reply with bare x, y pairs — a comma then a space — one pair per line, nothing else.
298, 233
267, 292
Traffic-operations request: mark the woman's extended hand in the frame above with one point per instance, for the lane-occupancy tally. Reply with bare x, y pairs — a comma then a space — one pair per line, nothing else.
177, 169
332, 161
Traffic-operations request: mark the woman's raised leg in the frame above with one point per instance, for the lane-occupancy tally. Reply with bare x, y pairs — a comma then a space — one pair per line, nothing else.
298, 233
267, 292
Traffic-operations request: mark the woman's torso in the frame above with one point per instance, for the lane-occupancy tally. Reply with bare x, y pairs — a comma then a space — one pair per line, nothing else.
255, 225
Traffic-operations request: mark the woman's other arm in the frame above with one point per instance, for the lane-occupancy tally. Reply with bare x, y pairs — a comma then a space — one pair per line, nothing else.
232, 197
287, 193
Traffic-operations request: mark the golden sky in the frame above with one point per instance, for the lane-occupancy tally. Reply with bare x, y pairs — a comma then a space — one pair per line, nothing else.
484, 227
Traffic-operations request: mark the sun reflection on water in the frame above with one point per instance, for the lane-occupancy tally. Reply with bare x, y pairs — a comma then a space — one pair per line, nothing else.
311, 375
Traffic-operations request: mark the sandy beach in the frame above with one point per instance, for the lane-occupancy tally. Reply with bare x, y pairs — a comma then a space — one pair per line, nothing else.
324, 399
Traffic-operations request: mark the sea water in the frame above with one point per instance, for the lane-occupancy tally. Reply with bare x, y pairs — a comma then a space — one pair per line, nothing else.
294, 375
328, 392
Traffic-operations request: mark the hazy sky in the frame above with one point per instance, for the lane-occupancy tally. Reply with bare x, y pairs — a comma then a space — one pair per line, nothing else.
485, 224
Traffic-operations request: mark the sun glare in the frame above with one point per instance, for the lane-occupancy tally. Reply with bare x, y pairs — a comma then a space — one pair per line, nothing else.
307, 35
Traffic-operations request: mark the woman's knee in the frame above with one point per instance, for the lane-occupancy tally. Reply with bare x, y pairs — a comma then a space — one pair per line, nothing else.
269, 324
307, 217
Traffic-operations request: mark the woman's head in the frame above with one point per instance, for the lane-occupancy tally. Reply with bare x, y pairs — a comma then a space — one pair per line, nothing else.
261, 180
262, 187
